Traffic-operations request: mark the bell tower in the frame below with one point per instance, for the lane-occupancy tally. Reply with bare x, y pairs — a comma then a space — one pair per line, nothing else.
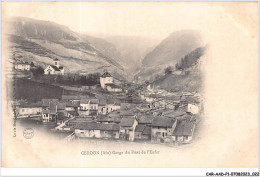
56, 62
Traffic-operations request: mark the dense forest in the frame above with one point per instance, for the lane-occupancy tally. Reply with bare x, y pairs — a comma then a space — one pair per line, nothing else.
190, 59
71, 79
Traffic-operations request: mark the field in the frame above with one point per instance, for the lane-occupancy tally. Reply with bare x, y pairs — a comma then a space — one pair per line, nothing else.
34, 91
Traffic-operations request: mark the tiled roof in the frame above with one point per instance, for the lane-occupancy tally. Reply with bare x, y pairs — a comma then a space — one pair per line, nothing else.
102, 102
159, 121
173, 113
49, 111
56, 59
127, 122
127, 113
191, 100
184, 128
144, 119
97, 126
55, 68
70, 97
110, 119
140, 128
94, 101
72, 104
147, 130
106, 74
46, 102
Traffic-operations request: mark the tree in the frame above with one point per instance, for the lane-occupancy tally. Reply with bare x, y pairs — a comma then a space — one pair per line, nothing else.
38, 71
168, 70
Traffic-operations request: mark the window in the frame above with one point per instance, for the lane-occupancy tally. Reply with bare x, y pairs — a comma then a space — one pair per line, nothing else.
22, 110
162, 134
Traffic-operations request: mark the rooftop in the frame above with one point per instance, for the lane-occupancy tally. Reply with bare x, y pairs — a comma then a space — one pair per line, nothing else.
127, 122
106, 74
140, 128
159, 121
97, 126
55, 68
184, 128
70, 97
144, 119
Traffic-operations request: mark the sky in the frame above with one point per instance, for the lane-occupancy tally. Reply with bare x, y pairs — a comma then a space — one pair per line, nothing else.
149, 19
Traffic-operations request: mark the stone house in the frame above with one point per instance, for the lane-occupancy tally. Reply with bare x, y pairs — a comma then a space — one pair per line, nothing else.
142, 132
184, 130
162, 129
127, 128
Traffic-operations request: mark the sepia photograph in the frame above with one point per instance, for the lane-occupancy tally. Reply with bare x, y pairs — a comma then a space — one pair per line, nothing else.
129, 84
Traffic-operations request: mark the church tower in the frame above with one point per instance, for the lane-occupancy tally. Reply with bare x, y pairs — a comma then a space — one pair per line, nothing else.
56, 62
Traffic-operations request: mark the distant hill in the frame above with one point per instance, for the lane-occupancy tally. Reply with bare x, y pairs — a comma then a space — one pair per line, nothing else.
189, 77
40, 41
133, 49
169, 52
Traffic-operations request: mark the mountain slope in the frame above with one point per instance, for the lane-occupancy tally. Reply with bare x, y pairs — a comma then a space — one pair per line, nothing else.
133, 49
169, 52
187, 77
40, 41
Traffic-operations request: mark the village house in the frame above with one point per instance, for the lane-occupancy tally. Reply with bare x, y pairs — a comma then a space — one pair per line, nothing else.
113, 117
112, 107
80, 120
29, 109
102, 108
87, 130
184, 130
113, 88
49, 116
108, 120
50, 110
145, 120
191, 108
55, 69
142, 132
162, 129
89, 107
109, 131
47, 102
22, 66
72, 106
106, 78
97, 130
177, 114
107, 83
127, 128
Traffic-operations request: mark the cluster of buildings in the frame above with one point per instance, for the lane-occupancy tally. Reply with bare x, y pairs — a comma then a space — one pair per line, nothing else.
160, 121
22, 66
134, 127
155, 117
107, 83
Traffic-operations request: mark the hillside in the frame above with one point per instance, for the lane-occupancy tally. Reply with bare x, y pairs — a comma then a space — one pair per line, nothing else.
187, 76
133, 49
40, 41
169, 52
